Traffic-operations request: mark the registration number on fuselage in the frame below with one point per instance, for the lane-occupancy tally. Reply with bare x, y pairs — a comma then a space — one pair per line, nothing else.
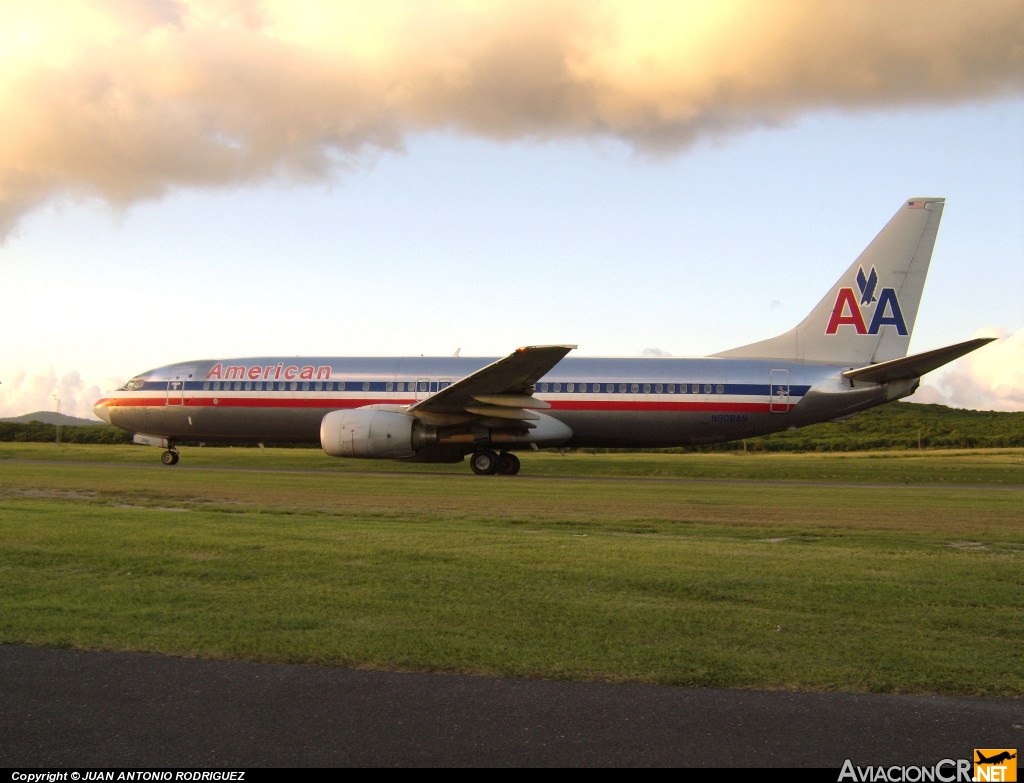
728, 418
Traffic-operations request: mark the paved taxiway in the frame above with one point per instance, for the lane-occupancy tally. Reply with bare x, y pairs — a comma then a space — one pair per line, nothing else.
72, 708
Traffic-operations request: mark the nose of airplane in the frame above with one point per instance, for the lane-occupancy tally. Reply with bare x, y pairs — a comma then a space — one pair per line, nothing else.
101, 411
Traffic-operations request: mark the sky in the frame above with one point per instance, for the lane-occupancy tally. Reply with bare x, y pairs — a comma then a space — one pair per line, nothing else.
188, 180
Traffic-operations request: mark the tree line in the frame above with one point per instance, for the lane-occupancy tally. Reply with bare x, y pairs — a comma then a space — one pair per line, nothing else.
897, 426
40, 432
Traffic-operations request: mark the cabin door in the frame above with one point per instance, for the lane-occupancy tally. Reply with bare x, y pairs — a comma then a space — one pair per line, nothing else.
176, 381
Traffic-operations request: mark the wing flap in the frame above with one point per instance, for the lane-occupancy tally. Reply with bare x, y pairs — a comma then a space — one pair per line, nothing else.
445, 419
516, 414
504, 424
512, 400
498, 395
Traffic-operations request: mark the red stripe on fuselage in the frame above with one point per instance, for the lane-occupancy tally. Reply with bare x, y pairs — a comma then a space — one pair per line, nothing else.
336, 403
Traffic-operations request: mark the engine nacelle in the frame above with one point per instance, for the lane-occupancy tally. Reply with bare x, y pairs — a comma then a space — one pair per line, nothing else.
369, 433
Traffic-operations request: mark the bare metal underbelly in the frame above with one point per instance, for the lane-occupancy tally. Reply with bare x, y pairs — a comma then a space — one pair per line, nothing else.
597, 429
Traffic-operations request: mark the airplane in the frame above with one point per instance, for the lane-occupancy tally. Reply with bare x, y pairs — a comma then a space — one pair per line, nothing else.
996, 759
849, 354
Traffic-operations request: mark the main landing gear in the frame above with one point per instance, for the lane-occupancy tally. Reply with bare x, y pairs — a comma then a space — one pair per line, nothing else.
487, 463
169, 457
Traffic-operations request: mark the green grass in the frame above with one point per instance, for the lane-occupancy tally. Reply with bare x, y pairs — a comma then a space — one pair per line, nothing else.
867, 573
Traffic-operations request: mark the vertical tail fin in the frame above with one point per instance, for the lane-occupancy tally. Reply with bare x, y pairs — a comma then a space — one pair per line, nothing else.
869, 314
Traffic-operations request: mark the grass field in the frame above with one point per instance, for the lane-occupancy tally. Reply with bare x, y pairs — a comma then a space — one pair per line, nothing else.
895, 572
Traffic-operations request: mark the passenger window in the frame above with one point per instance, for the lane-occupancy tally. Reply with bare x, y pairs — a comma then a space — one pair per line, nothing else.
295, 386
647, 388
707, 388
248, 385
719, 389
635, 387
658, 388
557, 387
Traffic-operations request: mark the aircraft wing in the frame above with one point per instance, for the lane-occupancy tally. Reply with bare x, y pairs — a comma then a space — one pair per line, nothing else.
501, 392
914, 366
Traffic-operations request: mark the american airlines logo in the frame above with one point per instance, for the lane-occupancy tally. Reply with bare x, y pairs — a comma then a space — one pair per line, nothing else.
852, 308
269, 372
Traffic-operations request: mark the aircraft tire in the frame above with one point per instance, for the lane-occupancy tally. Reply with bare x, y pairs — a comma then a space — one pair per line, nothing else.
169, 457
508, 464
484, 462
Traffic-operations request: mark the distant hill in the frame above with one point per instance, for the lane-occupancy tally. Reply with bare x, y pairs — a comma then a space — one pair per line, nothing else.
50, 417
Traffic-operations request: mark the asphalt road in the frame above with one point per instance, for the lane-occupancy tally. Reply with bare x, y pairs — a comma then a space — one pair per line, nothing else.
77, 709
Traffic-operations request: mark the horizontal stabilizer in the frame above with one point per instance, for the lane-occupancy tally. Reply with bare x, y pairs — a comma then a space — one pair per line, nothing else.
914, 366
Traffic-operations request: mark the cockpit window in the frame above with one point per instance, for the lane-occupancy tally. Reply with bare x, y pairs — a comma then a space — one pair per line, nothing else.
133, 384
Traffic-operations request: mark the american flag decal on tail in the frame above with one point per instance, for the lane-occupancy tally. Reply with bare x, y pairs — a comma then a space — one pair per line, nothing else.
915, 204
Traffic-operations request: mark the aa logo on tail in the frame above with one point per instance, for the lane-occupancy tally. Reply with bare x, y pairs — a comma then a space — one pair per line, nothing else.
851, 309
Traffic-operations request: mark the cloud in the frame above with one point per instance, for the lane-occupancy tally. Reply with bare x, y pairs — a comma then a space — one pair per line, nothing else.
40, 389
991, 378
128, 99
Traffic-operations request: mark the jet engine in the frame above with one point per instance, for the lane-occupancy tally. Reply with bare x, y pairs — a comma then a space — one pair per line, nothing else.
372, 433
388, 432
